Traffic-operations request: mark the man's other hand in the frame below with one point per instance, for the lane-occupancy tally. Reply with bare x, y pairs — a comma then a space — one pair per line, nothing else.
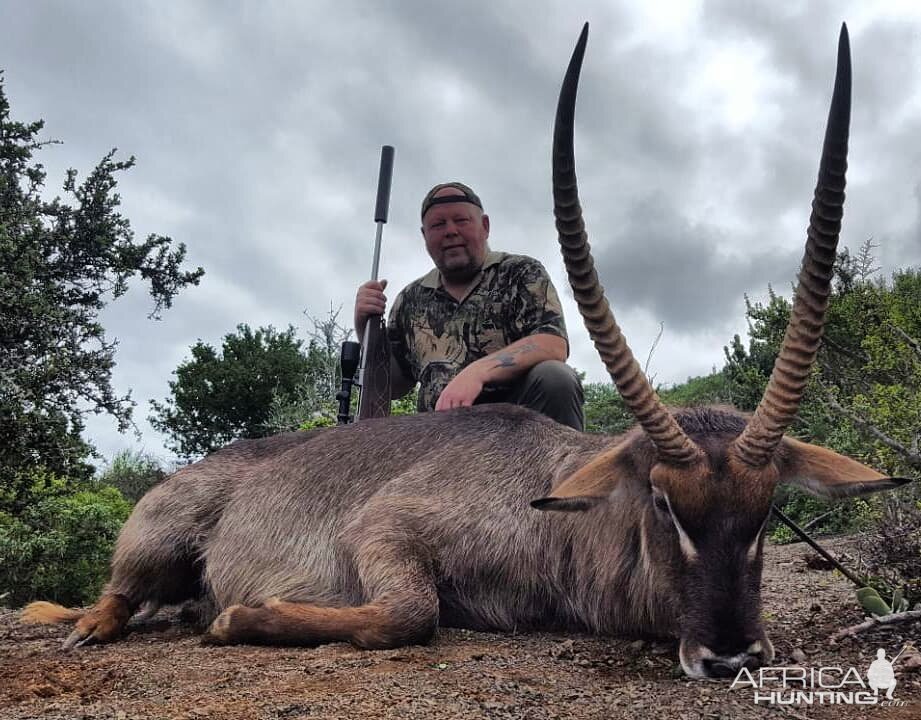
462, 390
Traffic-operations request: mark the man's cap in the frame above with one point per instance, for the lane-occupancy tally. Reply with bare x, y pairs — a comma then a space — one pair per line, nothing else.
464, 194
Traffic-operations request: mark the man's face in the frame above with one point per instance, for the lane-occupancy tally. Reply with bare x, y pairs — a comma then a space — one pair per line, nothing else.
455, 237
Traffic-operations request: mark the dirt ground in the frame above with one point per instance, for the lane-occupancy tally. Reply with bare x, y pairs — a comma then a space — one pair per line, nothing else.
160, 670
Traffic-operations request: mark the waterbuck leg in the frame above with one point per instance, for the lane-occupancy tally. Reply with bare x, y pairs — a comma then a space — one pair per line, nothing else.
138, 577
395, 571
103, 622
388, 621
153, 564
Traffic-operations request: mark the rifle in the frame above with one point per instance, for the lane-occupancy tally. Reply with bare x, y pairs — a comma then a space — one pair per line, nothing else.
374, 374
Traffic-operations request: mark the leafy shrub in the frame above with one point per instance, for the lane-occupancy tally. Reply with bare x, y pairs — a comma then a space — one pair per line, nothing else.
317, 421
405, 405
133, 474
58, 547
890, 552
823, 517
605, 410
306, 412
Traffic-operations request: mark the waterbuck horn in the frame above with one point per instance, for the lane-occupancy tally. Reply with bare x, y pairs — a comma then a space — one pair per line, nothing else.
670, 440
785, 389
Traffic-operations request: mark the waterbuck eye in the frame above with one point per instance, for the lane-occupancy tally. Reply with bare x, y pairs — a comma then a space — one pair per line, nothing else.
660, 501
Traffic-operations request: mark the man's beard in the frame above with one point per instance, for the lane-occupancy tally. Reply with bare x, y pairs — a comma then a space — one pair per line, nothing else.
462, 274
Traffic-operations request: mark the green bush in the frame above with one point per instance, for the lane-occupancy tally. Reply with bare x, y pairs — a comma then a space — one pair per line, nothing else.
605, 410
823, 517
58, 547
318, 421
133, 474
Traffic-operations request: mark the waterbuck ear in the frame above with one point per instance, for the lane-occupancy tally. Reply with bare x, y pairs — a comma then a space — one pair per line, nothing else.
589, 486
827, 474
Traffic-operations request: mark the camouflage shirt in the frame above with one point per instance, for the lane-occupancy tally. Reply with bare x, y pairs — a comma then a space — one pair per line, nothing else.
433, 336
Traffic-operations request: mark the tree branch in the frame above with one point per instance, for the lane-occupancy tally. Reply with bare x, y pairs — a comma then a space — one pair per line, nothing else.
913, 458
845, 351
652, 348
907, 616
909, 340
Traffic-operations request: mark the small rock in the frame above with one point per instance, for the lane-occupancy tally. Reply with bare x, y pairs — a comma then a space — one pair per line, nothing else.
817, 562
563, 650
911, 662
798, 656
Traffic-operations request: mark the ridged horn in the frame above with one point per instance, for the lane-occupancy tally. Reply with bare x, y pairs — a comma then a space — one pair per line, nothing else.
670, 440
804, 331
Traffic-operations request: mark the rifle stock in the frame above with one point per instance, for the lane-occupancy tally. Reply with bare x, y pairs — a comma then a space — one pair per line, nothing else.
375, 384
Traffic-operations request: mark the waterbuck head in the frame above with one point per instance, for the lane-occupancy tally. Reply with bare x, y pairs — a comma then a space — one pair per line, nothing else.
708, 476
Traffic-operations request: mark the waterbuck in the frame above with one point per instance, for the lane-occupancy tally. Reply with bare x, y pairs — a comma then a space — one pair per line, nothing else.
377, 532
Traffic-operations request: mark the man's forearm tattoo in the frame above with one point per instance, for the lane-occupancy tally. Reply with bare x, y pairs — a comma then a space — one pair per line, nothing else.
507, 359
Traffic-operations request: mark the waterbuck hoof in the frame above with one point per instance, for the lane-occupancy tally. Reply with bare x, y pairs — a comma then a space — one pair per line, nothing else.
90, 631
219, 631
103, 623
229, 627
77, 638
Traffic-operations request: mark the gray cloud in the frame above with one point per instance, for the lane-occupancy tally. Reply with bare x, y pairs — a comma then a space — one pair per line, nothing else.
679, 271
257, 129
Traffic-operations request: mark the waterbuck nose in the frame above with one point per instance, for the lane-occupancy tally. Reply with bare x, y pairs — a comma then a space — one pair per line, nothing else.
729, 666
699, 661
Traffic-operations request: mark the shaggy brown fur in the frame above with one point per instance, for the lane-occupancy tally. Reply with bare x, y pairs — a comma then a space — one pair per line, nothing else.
375, 533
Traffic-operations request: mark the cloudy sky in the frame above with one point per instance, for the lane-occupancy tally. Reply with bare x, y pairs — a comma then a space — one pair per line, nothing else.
257, 127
